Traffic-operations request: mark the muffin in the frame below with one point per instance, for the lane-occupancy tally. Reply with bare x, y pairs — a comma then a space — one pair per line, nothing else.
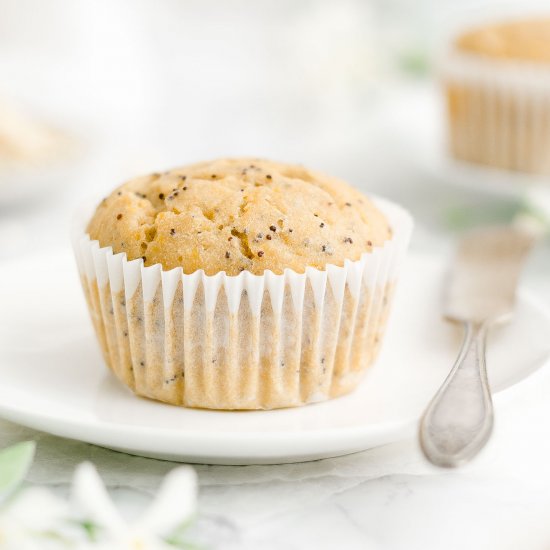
497, 84
239, 283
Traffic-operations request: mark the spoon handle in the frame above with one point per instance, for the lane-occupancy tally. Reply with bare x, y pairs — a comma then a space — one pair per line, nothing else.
459, 419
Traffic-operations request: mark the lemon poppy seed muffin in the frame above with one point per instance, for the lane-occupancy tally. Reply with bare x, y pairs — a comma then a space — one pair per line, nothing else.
526, 40
233, 215
497, 87
263, 285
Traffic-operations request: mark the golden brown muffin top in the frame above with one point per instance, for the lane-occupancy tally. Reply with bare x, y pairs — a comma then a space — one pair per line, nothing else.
525, 40
239, 214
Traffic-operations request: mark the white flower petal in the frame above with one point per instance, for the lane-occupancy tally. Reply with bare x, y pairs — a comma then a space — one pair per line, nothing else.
37, 509
30, 519
131, 541
93, 500
15, 539
538, 209
174, 504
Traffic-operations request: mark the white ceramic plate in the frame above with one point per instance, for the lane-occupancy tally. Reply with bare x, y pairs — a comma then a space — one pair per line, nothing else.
52, 377
476, 177
30, 183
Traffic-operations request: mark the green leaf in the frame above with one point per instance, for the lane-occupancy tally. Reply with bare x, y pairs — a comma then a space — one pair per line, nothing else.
468, 216
178, 537
90, 529
15, 462
415, 62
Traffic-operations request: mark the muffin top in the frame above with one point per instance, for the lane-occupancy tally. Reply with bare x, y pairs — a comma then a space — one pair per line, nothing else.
525, 40
239, 214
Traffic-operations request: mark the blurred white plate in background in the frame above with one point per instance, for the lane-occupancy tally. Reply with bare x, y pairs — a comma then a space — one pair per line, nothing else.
52, 377
476, 177
33, 183
416, 121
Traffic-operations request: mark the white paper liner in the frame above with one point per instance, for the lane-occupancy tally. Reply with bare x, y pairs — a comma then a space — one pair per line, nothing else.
246, 341
498, 111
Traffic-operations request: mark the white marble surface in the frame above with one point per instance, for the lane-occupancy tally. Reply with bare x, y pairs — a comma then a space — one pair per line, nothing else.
386, 498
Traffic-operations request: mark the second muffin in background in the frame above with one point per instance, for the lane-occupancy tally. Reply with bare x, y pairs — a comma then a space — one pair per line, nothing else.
497, 86
268, 285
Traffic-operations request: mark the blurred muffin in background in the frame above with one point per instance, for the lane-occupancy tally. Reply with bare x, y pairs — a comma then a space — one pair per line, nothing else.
497, 85
26, 140
36, 156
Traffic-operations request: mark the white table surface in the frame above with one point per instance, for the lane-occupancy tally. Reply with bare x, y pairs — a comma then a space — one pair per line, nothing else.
386, 498
383, 498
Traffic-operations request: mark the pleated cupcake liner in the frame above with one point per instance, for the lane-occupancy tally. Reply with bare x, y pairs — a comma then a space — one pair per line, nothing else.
498, 111
246, 341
